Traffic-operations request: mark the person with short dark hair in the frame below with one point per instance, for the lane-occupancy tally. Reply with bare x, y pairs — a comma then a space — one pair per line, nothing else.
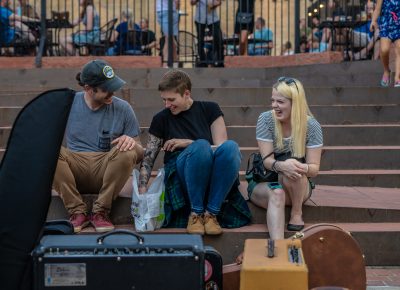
201, 164
148, 37
102, 147
261, 41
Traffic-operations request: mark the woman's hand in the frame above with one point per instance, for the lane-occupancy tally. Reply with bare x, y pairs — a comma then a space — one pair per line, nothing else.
173, 144
292, 168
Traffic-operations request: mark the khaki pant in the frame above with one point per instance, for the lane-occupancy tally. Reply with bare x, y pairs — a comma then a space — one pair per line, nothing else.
104, 173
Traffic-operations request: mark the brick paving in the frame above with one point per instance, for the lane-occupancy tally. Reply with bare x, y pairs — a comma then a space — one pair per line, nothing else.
385, 278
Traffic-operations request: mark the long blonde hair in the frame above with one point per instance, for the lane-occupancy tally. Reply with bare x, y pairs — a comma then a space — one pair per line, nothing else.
293, 90
128, 15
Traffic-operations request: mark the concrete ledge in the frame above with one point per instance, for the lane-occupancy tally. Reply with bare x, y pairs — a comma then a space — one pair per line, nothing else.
284, 61
123, 61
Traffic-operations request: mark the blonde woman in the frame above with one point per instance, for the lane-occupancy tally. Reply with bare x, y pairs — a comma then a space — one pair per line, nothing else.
295, 136
120, 36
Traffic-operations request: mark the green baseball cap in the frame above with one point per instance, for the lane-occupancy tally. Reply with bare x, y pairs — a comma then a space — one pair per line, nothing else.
98, 73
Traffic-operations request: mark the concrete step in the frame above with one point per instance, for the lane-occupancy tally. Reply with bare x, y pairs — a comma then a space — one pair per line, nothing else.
370, 178
379, 242
343, 74
334, 135
150, 97
331, 204
248, 115
336, 158
332, 115
340, 157
370, 214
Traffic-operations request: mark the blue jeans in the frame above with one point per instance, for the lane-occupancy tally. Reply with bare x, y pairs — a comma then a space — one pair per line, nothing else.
201, 170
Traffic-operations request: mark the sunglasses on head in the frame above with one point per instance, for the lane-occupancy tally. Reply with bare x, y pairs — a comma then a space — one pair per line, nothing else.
288, 81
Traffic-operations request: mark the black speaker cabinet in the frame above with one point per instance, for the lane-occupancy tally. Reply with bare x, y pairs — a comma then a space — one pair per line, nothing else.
120, 260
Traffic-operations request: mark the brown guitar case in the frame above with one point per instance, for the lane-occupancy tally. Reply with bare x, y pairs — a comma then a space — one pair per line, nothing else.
231, 277
333, 257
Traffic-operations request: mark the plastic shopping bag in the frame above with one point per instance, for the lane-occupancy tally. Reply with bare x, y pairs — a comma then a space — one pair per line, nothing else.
148, 209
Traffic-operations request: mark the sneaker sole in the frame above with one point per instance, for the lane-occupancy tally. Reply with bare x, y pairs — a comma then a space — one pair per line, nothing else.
80, 228
214, 233
103, 229
196, 232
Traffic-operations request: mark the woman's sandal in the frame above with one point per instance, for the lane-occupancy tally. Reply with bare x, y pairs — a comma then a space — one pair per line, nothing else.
385, 81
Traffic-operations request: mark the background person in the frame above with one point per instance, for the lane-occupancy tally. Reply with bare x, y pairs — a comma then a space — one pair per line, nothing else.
265, 35
244, 23
289, 129
162, 19
102, 147
12, 28
148, 37
201, 164
206, 18
388, 12
91, 32
120, 35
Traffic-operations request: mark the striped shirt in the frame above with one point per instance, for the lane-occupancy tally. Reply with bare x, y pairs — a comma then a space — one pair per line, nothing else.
266, 132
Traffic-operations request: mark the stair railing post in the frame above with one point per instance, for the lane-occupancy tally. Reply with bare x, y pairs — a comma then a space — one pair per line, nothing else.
43, 35
296, 25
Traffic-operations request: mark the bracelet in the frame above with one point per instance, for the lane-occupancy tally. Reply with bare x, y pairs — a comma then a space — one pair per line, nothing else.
273, 166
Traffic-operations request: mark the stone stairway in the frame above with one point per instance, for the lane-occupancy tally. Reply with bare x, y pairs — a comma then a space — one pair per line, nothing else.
358, 186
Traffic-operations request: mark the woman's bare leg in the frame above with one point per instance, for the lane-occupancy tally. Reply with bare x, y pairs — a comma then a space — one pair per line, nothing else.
297, 191
274, 201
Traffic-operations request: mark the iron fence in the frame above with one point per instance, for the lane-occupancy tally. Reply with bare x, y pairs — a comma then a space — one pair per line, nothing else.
203, 32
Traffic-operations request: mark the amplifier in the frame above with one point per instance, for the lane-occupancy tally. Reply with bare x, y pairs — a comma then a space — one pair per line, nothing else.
279, 265
119, 260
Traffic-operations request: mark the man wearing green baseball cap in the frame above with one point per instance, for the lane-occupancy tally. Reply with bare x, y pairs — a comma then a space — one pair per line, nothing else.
103, 146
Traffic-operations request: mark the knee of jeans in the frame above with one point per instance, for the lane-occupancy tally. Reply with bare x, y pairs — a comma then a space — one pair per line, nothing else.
230, 147
201, 144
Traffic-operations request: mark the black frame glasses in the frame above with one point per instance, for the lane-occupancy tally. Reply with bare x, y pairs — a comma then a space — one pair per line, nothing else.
288, 81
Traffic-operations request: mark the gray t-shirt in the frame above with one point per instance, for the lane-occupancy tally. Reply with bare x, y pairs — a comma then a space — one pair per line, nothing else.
93, 131
265, 131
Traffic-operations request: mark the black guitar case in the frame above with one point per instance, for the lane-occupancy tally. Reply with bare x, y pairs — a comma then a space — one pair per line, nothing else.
26, 176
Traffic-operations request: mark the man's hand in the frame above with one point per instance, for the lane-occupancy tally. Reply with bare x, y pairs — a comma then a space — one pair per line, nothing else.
124, 143
173, 144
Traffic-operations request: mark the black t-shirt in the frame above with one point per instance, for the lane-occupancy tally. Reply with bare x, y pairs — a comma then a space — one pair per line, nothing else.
148, 37
192, 124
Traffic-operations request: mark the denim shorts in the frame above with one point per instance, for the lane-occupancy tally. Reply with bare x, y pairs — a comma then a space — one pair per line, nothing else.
162, 19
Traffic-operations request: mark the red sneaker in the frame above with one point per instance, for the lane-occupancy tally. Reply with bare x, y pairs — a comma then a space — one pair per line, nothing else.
79, 221
101, 222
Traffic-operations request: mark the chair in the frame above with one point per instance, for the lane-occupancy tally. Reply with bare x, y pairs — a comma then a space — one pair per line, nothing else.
104, 41
187, 47
26, 176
